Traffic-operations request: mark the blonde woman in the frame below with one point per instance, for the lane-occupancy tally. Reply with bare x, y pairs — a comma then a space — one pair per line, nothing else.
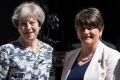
26, 58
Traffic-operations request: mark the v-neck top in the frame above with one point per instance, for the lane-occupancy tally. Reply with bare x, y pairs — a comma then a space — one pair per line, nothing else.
77, 72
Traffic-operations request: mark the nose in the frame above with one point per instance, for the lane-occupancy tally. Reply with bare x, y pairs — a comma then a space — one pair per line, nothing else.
28, 26
86, 31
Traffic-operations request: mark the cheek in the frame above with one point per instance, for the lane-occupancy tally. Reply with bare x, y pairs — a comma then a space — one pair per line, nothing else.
19, 30
38, 27
37, 30
78, 33
97, 34
95, 31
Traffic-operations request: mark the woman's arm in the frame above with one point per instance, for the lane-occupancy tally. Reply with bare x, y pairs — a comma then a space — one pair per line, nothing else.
4, 63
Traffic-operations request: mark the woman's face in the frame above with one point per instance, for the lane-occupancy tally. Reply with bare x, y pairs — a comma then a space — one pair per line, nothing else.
88, 36
28, 28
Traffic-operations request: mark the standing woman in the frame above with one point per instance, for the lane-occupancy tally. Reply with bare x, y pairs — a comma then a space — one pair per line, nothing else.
94, 60
26, 58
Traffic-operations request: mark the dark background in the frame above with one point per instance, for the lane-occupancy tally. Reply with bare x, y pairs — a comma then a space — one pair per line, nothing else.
66, 9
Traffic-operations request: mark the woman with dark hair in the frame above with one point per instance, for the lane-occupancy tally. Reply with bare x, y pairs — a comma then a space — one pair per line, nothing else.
93, 60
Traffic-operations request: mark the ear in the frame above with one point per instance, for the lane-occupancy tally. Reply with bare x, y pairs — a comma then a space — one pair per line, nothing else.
39, 28
101, 31
76, 30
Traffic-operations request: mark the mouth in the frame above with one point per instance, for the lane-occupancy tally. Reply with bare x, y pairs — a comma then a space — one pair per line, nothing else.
28, 32
86, 37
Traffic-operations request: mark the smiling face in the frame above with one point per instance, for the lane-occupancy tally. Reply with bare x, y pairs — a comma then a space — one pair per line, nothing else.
88, 36
28, 28
89, 26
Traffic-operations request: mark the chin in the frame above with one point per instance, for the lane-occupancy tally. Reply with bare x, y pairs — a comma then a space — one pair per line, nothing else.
31, 38
87, 42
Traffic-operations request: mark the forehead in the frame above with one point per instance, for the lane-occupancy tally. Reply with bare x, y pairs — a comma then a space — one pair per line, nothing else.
27, 18
87, 26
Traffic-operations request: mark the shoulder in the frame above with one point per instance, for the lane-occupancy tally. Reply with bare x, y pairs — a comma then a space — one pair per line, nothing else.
72, 52
46, 46
5, 49
109, 49
110, 53
9, 46
109, 44
6, 46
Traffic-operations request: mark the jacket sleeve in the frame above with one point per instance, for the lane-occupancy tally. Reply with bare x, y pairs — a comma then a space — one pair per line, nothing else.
4, 63
112, 63
117, 71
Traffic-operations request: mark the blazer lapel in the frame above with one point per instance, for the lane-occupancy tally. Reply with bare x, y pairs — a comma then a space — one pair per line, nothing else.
70, 61
92, 70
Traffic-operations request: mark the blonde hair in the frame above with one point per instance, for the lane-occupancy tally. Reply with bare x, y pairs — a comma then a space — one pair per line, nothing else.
28, 9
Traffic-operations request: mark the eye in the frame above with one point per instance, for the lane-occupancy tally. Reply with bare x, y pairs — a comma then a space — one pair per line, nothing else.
22, 24
81, 28
89, 28
32, 22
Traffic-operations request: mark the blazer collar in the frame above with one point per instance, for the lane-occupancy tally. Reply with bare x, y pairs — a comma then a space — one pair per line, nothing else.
72, 55
92, 68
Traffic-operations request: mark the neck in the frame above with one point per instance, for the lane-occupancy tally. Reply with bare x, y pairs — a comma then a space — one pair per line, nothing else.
29, 44
87, 50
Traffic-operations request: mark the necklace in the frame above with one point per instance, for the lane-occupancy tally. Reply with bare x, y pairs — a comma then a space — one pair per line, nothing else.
86, 58
37, 49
